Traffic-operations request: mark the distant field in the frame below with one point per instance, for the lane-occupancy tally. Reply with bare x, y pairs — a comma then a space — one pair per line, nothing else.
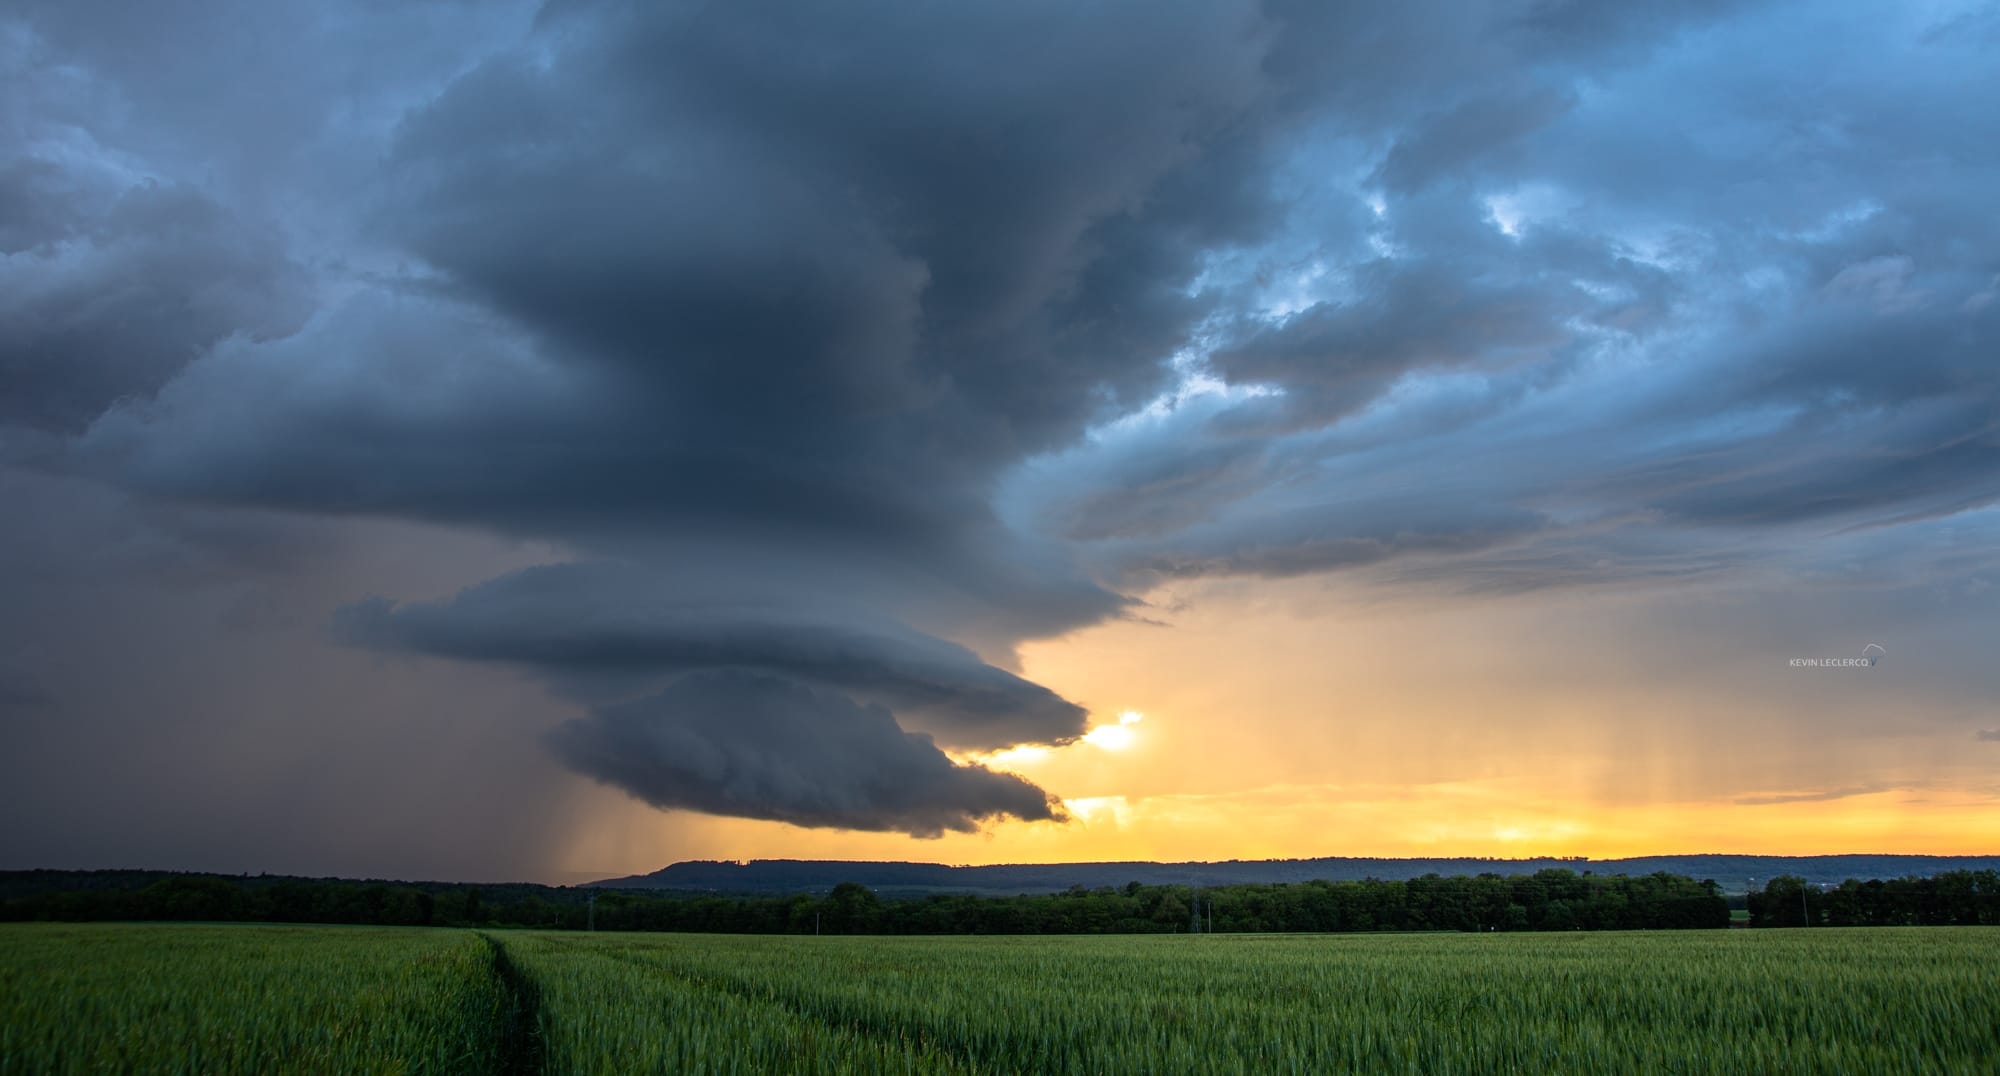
225, 999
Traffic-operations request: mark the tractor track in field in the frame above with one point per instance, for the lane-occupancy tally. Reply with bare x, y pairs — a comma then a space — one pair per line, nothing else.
886, 1032
522, 1050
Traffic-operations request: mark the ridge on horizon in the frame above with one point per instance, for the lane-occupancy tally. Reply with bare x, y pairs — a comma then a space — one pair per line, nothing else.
1734, 871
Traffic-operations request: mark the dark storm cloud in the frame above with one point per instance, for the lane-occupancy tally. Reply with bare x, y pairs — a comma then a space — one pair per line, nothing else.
1449, 291
1649, 386
1835, 419
829, 294
839, 286
782, 287
1617, 554
825, 279
1162, 486
759, 746
1332, 537
104, 296
1483, 125
22, 694
843, 349
425, 407
40, 211
590, 624
1879, 412
1336, 357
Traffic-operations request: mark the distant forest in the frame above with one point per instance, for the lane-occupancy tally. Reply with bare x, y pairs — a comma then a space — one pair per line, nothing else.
1546, 900
1953, 898
1549, 899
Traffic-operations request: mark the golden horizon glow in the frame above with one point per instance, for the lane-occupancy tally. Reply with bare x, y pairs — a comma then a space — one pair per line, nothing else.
1268, 720
1291, 822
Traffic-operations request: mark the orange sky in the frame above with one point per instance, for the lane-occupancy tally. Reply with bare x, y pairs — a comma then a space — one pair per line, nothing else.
1295, 719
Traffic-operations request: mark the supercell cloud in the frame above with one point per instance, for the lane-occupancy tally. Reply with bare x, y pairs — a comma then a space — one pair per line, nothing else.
737, 743
794, 364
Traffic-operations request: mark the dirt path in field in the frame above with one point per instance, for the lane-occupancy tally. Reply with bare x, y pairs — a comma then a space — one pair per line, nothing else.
522, 1053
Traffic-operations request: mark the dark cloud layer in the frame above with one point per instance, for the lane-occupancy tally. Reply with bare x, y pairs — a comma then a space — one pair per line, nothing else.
799, 289
1542, 364
759, 746
834, 291
829, 353
108, 295
600, 629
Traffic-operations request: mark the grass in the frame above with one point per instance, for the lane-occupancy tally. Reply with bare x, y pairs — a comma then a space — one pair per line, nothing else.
257, 999
1890, 1000
102, 998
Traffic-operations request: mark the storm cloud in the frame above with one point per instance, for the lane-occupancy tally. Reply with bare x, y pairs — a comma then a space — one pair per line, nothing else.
105, 295
763, 747
790, 367
599, 629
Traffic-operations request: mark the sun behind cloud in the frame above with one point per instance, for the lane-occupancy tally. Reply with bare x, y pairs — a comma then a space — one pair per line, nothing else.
1116, 737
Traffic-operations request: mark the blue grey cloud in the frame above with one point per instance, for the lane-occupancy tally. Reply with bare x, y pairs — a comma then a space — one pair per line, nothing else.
824, 355
605, 627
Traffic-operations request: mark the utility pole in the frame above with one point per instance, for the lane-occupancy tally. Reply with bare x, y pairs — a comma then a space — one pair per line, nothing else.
1805, 920
593, 910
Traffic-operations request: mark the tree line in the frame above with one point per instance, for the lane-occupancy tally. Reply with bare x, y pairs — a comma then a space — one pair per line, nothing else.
1549, 899
1953, 898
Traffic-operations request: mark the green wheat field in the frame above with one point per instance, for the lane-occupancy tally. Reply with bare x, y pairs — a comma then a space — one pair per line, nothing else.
260, 999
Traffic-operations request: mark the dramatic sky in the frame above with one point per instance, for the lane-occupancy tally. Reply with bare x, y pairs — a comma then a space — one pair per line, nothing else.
490, 440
